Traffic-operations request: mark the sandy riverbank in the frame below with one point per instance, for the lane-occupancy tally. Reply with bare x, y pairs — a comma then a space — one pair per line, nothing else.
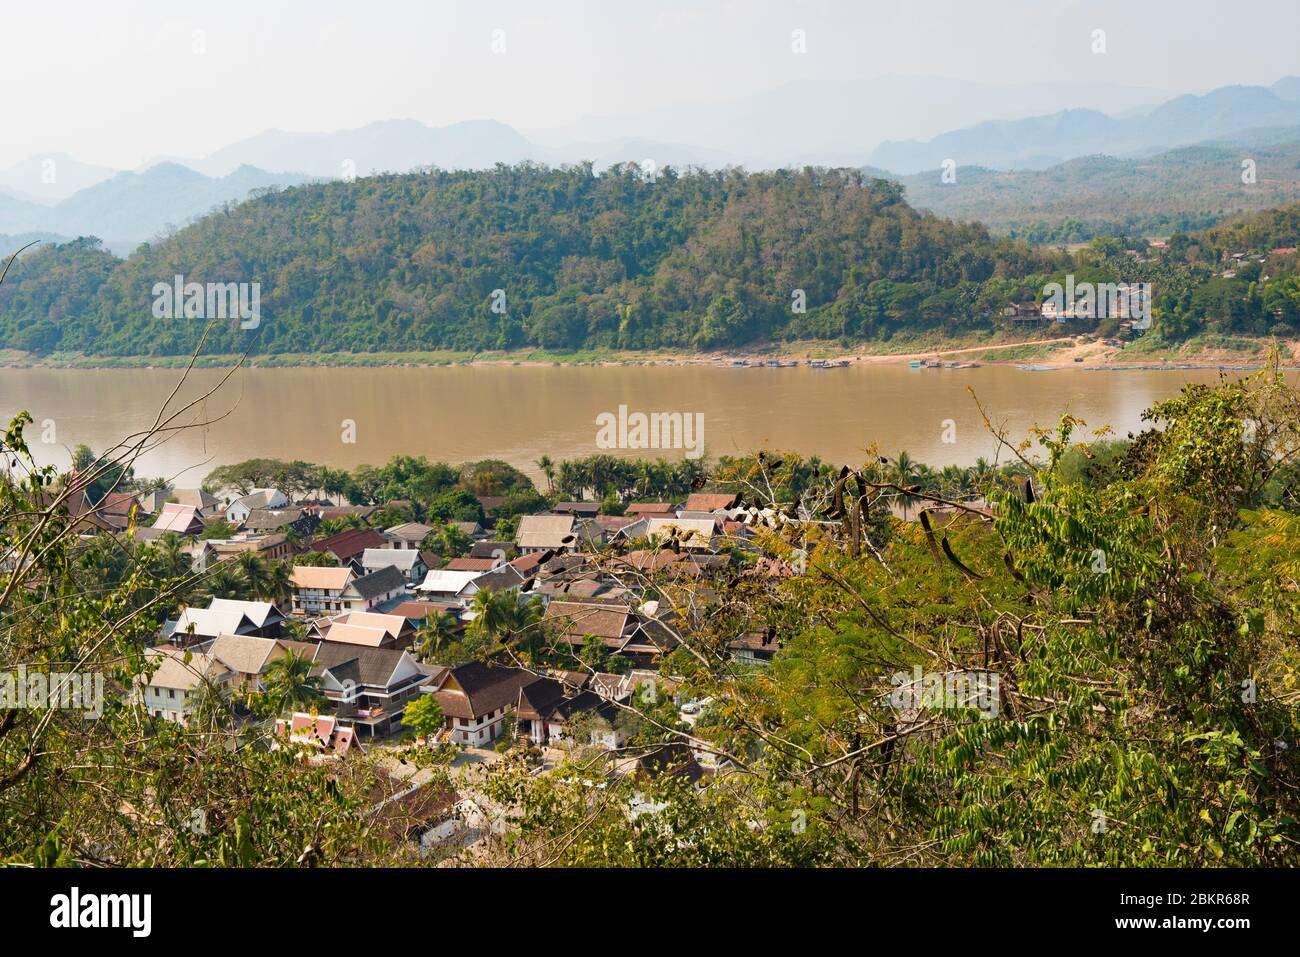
1084, 352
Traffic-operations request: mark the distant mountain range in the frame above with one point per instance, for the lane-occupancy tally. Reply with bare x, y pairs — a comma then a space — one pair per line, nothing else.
1038, 142
49, 178
128, 208
798, 123
1183, 189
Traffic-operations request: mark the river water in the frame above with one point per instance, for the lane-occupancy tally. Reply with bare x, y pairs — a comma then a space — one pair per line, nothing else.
346, 416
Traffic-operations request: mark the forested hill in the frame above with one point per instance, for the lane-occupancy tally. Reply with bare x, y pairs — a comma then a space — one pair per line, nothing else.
618, 260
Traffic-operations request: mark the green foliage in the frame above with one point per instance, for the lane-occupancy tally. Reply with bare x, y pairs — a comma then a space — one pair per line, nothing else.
612, 261
424, 716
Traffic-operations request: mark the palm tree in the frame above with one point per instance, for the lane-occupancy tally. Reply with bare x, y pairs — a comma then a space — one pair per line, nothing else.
279, 581
256, 573
494, 613
952, 481
904, 475
288, 684
547, 468
225, 580
437, 632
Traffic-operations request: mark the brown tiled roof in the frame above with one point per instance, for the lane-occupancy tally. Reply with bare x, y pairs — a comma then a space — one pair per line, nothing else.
641, 508
578, 619
489, 549
350, 543
526, 564
651, 560
477, 688
272, 519
471, 564
422, 609
342, 511
612, 523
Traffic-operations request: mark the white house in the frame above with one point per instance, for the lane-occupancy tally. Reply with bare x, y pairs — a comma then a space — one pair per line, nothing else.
405, 560
239, 509
173, 691
319, 590
476, 697
225, 616
448, 587
370, 591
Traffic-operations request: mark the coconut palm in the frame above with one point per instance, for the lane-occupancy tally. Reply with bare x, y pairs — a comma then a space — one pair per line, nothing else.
225, 580
904, 475
288, 684
437, 632
495, 613
256, 573
279, 581
547, 468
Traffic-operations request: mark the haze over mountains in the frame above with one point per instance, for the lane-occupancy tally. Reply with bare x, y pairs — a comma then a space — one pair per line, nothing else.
878, 124
1041, 141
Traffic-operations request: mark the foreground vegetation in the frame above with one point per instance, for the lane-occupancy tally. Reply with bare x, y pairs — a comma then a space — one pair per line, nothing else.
1136, 600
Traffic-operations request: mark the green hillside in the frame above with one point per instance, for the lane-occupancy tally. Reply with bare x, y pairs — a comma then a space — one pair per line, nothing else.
411, 262
561, 259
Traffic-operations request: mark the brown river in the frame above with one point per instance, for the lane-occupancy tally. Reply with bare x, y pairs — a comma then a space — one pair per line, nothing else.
346, 416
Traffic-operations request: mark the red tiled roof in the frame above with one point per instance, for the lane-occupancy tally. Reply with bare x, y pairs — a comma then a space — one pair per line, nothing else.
350, 543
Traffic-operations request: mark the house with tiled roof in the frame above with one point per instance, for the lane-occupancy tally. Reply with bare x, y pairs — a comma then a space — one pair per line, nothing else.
224, 616
274, 546
476, 697
370, 687
408, 561
491, 549
546, 708
473, 564
119, 509
372, 629
407, 535
710, 501
260, 498
372, 590
539, 533
619, 627
577, 509
692, 534
651, 508
318, 590
248, 656
179, 679
181, 519
350, 544
323, 733
297, 520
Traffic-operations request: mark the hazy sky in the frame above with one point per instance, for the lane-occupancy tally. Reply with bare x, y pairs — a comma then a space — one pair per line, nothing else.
119, 83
